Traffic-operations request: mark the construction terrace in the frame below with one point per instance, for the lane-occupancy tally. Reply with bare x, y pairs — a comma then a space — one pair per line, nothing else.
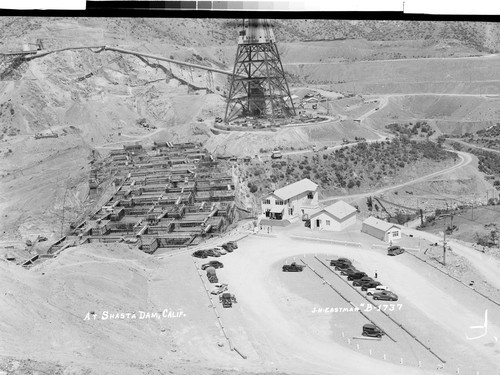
169, 196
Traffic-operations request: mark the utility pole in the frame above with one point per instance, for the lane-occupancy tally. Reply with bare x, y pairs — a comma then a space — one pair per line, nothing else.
444, 248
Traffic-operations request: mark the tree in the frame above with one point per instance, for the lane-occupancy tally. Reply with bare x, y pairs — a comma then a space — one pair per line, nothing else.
369, 203
401, 217
440, 140
253, 187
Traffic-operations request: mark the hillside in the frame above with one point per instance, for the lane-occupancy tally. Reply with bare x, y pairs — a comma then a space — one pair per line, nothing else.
482, 37
69, 316
349, 170
104, 111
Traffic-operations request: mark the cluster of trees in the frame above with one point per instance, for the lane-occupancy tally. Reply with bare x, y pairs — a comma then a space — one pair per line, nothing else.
489, 162
492, 131
488, 240
350, 167
411, 129
488, 137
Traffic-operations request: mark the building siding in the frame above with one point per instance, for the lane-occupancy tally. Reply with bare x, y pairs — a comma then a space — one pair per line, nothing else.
382, 235
299, 204
335, 224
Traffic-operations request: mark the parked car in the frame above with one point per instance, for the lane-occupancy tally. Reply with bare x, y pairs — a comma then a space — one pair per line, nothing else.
229, 248
212, 263
356, 275
348, 271
234, 244
219, 288
200, 254
334, 262
213, 253
371, 330
378, 288
362, 281
385, 295
395, 250
220, 250
342, 266
227, 299
294, 267
370, 285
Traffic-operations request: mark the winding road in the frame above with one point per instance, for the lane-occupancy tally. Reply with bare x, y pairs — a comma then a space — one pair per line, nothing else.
465, 159
474, 146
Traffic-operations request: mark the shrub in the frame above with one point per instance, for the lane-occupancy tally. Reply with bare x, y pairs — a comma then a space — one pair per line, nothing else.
253, 187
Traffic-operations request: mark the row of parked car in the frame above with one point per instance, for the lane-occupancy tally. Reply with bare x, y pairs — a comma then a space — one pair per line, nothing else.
217, 251
225, 297
372, 287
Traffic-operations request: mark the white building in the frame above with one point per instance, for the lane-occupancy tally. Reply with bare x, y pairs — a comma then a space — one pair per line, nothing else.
291, 201
335, 217
381, 229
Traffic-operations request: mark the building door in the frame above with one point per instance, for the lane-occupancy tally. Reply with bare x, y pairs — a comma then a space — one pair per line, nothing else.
318, 223
267, 212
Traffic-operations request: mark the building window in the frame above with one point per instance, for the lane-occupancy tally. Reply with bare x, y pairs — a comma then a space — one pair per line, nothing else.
395, 233
280, 203
267, 201
328, 222
290, 211
310, 195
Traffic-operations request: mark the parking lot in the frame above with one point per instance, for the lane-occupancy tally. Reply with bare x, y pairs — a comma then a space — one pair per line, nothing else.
277, 319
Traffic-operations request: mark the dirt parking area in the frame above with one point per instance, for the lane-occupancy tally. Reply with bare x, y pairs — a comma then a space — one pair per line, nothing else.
277, 323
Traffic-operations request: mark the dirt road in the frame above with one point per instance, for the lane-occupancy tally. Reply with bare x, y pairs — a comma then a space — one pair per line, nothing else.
487, 265
474, 146
465, 159
490, 56
134, 138
383, 102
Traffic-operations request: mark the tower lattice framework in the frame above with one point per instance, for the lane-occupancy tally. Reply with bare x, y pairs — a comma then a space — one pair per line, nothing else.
258, 86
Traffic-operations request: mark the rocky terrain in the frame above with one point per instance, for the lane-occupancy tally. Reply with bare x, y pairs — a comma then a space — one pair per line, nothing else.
374, 74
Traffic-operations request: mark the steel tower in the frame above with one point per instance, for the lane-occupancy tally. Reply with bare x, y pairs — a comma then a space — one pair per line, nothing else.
258, 85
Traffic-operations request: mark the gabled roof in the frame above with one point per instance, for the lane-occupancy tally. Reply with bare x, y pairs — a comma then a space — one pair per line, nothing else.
379, 224
295, 189
339, 210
